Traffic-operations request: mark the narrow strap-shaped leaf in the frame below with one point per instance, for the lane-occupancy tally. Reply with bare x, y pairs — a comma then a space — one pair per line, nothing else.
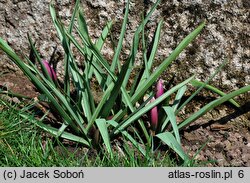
95, 52
63, 101
156, 41
136, 81
117, 88
152, 54
62, 38
214, 89
202, 86
79, 81
212, 105
31, 76
83, 28
145, 109
129, 137
127, 99
78, 46
67, 57
99, 44
134, 48
172, 118
76, 8
54, 17
176, 103
144, 51
169, 139
62, 106
62, 129
54, 131
101, 40
179, 96
93, 49
148, 15
100, 106
155, 75
102, 126
44, 70
115, 59
90, 47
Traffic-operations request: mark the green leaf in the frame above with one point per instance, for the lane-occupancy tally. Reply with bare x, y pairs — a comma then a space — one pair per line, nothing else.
129, 137
59, 30
115, 59
162, 67
145, 109
57, 99
202, 86
176, 103
100, 106
214, 89
169, 139
136, 40
54, 131
156, 41
104, 35
44, 70
145, 51
54, 19
101, 77
178, 97
84, 97
67, 58
76, 8
102, 126
172, 118
152, 55
115, 91
92, 48
83, 28
82, 51
212, 105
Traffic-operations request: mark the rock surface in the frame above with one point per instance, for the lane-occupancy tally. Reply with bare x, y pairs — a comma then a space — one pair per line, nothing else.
227, 34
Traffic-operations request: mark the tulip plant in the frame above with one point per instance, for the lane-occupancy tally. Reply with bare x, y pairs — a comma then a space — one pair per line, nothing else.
121, 112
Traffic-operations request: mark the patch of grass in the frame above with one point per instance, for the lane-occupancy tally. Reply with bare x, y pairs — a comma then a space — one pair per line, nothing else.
24, 144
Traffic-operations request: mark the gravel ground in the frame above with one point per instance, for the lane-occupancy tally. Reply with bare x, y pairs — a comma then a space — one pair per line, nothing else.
227, 141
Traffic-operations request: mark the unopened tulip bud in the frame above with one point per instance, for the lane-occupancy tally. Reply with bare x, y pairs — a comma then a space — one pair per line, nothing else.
159, 88
154, 116
50, 70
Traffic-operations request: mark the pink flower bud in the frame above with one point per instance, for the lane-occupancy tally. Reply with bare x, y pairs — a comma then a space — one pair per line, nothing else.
109, 117
154, 111
50, 70
154, 116
159, 88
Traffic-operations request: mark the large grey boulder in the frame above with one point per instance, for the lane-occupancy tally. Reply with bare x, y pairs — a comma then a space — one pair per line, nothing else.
226, 35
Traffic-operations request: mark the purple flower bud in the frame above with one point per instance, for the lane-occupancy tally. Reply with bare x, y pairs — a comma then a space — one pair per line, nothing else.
154, 111
159, 88
50, 70
110, 117
154, 116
